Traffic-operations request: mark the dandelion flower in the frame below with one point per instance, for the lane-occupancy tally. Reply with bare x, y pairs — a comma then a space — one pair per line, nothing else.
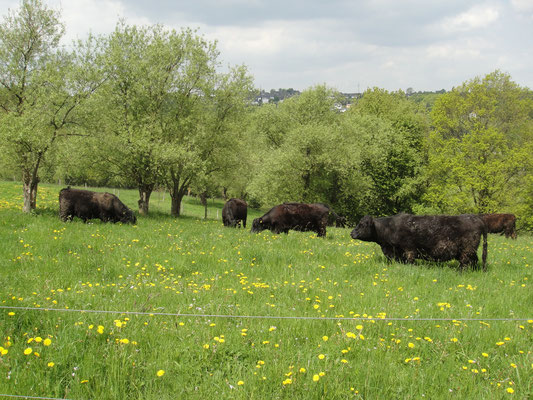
325, 338
316, 378
28, 351
47, 342
240, 383
287, 381
51, 364
510, 390
359, 327
411, 345
321, 356
160, 373
302, 370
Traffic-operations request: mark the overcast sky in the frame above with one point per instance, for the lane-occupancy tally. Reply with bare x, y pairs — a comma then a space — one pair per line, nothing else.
349, 45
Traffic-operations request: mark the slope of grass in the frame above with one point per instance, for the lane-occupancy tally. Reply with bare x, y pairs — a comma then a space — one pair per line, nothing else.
295, 284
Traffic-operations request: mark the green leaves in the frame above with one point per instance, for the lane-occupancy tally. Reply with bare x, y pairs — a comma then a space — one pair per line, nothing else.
476, 152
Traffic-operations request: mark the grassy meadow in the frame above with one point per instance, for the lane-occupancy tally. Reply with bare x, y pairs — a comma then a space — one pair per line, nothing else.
195, 266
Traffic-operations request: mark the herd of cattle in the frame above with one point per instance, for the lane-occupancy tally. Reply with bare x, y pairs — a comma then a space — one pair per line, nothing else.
402, 237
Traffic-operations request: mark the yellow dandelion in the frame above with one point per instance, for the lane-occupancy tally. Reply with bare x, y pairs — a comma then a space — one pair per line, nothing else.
3, 351
51, 364
38, 339
411, 345
160, 373
11, 313
287, 381
240, 383
484, 354
84, 381
359, 327
100, 329
28, 351
316, 378
325, 338
321, 356
302, 370
510, 390
454, 340
206, 346
47, 342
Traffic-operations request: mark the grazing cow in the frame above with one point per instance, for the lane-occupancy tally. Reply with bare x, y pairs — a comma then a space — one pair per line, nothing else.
406, 237
501, 223
296, 216
333, 217
86, 205
234, 211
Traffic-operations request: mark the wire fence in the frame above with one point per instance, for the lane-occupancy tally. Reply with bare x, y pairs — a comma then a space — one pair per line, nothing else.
194, 315
15, 396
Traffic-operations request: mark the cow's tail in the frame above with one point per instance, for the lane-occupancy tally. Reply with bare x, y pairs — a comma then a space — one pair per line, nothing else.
484, 255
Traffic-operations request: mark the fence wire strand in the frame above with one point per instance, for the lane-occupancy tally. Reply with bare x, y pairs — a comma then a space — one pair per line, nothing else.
194, 315
31, 397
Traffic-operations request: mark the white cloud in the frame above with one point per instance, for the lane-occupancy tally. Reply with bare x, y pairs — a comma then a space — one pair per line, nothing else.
82, 17
475, 18
522, 5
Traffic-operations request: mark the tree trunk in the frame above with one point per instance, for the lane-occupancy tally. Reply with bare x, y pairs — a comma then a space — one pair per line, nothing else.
203, 200
29, 188
144, 198
176, 196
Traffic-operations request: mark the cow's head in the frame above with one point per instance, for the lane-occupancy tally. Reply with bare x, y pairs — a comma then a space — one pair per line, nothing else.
126, 215
365, 229
258, 225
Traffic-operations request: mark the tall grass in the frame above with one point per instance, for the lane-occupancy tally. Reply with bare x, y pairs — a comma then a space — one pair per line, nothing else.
195, 266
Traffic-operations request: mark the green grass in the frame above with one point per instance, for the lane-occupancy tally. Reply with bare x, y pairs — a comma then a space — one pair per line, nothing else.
192, 266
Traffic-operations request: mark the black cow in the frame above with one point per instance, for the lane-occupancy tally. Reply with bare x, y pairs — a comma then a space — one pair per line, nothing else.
501, 223
86, 205
405, 237
296, 216
333, 217
234, 211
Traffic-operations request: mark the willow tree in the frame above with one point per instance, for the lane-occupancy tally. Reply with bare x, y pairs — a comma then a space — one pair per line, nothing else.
42, 89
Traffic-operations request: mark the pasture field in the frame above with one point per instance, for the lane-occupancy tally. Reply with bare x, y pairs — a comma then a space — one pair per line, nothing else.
276, 316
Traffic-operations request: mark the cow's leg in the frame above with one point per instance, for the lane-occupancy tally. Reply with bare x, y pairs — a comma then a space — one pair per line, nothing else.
244, 223
409, 256
468, 259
